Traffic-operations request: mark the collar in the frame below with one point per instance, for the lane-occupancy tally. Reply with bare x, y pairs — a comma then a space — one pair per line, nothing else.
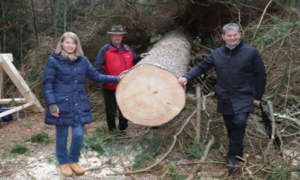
239, 44
234, 46
120, 48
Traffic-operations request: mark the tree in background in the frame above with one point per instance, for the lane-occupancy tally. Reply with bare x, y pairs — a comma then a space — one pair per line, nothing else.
15, 30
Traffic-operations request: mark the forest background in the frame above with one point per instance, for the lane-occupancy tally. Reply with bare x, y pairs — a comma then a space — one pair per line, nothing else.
30, 29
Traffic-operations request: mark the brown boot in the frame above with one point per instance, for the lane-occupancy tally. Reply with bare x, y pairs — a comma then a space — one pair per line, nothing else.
66, 170
77, 169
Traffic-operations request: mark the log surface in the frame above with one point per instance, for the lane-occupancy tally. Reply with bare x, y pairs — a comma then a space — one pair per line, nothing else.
149, 94
172, 53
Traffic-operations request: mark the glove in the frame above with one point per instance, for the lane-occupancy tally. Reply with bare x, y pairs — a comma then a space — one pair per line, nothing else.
53, 108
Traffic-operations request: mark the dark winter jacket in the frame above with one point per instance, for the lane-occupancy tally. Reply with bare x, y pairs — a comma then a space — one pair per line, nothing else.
241, 77
111, 61
64, 85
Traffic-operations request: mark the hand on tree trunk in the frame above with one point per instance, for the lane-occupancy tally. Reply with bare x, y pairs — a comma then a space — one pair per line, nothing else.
183, 81
144, 55
122, 75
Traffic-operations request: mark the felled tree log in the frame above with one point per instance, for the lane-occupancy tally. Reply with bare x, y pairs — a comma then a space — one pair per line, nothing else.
149, 93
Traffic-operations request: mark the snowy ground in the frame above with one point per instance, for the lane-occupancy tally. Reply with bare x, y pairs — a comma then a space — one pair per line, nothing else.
44, 166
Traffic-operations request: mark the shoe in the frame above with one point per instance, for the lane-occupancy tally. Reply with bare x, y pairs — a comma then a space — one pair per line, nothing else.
233, 165
77, 169
122, 127
66, 170
155, 127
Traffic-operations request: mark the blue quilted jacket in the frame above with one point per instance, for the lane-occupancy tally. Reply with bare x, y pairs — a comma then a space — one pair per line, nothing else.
64, 85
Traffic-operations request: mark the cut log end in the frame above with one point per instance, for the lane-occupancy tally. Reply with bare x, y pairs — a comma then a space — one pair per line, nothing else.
149, 95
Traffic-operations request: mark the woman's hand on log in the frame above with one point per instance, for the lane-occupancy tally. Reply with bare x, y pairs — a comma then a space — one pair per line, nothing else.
182, 81
144, 55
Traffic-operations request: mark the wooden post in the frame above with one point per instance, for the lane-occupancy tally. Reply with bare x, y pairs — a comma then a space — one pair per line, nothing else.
1, 79
29, 97
198, 119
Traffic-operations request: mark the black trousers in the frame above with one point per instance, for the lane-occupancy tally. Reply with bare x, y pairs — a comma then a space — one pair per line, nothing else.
236, 127
111, 111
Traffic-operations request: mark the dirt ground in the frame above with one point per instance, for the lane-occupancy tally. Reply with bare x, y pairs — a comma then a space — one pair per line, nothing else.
22, 127
40, 162
28, 124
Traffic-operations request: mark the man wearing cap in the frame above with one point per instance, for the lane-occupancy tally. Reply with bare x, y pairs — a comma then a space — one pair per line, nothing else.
241, 80
112, 59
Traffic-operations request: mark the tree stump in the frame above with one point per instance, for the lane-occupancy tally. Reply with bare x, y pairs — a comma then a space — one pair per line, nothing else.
149, 93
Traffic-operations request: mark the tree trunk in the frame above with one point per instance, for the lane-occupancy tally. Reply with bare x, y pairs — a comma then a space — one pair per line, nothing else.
34, 23
3, 10
149, 93
45, 13
65, 16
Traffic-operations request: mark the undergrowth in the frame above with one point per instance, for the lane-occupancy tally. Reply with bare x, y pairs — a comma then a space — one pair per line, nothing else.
19, 149
174, 174
41, 138
194, 151
103, 142
27, 124
284, 172
151, 148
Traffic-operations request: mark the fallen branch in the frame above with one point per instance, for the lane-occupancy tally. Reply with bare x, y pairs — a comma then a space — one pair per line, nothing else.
161, 159
155, 5
273, 60
201, 162
296, 121
195, 169
271, 110
261, 18
204, 100
124, 166
203, 47
100, 167
290, 135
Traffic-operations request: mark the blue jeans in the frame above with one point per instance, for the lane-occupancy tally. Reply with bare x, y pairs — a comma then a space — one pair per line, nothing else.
236, 127
63, 155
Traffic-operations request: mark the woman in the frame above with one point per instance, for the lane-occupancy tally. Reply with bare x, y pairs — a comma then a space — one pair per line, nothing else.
66, 98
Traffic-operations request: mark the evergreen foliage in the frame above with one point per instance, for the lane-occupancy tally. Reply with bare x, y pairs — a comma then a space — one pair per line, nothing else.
278, 31
194, 151
15, 28
146, 21
40, 137
148, 154
19, 149
174, 174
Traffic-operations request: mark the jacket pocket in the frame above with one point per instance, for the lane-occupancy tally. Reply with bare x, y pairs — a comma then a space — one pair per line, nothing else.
63, 104
85, 104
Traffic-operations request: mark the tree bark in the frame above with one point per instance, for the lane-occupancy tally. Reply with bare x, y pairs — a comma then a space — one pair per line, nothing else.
3, 39
45, 13
34, 23
65, 15
149, 93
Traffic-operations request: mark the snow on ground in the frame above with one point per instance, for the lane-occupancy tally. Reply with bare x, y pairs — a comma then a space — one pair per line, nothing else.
44, 166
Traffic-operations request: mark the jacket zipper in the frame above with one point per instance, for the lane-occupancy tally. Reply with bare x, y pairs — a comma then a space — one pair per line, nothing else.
229, 71
124, 62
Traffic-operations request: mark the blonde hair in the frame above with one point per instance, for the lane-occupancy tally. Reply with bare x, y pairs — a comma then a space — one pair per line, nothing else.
78, 50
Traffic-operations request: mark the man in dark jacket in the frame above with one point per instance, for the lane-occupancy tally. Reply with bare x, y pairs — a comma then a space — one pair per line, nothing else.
241, 80
112, 59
